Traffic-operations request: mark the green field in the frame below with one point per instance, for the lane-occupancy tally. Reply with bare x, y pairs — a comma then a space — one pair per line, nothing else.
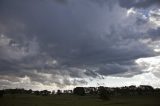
72, 100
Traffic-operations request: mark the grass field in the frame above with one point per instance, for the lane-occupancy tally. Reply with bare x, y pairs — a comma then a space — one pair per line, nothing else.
72, 100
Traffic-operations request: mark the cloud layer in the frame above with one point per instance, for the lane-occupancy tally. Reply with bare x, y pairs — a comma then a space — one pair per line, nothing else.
60, 43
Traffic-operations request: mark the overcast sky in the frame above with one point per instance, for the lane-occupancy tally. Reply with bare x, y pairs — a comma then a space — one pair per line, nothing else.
52, 44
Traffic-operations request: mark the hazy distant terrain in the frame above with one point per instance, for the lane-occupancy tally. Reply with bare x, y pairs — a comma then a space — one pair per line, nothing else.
72, 100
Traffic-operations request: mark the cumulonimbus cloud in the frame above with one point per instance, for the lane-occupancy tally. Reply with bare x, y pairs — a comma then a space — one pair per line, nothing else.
79, 39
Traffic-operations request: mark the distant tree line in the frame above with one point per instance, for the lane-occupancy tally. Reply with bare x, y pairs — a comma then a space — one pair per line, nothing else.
102, 92
119, 91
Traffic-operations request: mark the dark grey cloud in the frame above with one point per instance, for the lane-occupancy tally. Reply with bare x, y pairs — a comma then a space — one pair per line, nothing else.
155, 33
138, 3
122, 70
43, 39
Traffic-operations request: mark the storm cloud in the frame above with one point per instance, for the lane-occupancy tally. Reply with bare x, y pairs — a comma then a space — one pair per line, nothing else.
139, 3
63, 42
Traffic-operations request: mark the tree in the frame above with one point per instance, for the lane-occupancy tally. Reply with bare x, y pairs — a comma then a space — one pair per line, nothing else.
45, 92
79, 91
37, 92
30, 91
92, 91
53, 92
59, 92
102, 92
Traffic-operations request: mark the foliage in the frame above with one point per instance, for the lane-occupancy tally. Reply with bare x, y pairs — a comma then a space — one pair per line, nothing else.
79, 91
102, 92
59, 92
